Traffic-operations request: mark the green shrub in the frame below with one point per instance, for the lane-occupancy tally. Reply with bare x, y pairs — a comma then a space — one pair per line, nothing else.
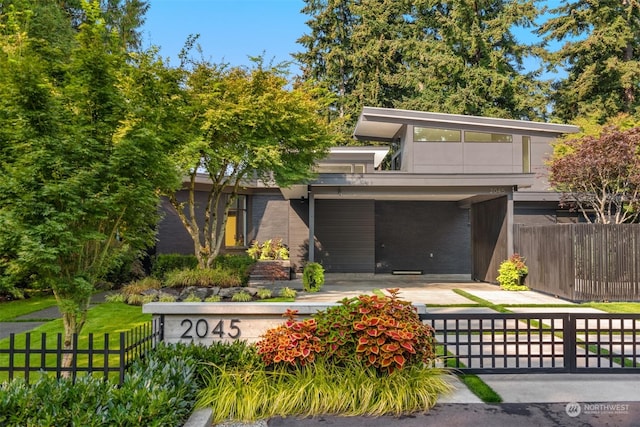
242, 296
154, 392
287, 292
237, 354
512, 273
203, 277
237, 263
264, 293
271, 249
164, 263
213, 298
146, 299
313, 277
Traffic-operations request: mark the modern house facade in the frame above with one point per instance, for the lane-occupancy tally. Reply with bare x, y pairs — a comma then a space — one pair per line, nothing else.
439, 196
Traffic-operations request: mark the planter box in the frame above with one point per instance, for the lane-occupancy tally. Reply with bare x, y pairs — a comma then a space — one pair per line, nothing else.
206, 323
271, 270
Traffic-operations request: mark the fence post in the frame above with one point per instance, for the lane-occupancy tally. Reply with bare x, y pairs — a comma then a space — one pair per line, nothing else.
27, 356
569, 342
12, 345
123, 354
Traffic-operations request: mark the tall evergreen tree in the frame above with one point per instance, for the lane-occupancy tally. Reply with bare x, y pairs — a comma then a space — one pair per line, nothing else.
601, 55
328, 58
455, 57
470, 62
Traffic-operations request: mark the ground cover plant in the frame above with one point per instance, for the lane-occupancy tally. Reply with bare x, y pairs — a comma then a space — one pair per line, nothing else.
157, 391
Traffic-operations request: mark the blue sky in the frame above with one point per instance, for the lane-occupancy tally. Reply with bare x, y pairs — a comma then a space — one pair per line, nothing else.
232, 30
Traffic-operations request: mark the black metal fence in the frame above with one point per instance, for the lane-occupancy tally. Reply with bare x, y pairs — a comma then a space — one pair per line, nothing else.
539, 342
582, 262
107, 355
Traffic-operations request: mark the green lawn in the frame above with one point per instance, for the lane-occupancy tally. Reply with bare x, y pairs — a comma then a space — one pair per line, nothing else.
110, 318
11, 310
616, 307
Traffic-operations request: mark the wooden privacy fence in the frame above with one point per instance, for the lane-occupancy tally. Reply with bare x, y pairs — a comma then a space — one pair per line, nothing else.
582, 262
107, 355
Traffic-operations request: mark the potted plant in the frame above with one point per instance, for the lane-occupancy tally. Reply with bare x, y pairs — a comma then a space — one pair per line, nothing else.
512, 273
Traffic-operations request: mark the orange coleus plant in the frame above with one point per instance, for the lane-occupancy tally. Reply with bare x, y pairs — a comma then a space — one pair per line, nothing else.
294, 343
390, 333
383, 332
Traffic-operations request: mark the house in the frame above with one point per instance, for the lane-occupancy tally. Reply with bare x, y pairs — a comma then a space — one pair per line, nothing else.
445, 202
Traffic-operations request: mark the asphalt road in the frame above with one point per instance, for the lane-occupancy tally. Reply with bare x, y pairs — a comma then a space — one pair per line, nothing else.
483, 415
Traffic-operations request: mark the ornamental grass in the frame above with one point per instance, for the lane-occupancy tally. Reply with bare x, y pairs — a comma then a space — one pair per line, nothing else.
320, 388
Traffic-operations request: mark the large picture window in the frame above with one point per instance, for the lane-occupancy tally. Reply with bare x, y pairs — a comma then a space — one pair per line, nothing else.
421, 134
236, 228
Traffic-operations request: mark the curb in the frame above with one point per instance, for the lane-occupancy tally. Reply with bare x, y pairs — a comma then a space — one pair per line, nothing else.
200, 418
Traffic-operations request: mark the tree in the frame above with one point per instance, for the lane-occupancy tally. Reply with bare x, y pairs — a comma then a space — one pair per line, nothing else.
454, 57
246, 125
601, 54
84, 151
601, 174
470, 62
328, 58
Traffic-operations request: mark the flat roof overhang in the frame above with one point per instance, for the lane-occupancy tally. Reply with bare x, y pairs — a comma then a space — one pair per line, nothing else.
383, 124
406, 186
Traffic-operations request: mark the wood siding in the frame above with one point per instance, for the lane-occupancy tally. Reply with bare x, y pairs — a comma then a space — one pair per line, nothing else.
582, 262
488, 238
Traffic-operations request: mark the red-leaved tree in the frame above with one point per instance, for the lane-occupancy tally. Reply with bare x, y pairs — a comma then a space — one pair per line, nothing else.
601, 174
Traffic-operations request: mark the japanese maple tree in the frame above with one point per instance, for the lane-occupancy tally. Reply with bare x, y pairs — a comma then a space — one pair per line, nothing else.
602, 174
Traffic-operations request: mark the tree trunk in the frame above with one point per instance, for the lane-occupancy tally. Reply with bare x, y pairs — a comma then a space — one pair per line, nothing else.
74, 316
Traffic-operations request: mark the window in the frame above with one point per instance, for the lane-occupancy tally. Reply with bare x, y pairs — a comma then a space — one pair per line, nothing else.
487, 137
236, 228
340, 168
421, 134
526, 154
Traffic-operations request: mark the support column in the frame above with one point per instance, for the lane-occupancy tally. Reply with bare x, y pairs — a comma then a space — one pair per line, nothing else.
509, 220
312, 224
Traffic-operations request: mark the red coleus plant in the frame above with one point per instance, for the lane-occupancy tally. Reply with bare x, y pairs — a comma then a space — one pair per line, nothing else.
383, 332
294, 342
390, 334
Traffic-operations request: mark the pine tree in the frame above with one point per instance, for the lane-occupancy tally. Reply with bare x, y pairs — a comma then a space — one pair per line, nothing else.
601, 55
454, 57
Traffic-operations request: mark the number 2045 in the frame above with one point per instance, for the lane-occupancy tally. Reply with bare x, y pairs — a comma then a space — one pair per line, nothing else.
202, 329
